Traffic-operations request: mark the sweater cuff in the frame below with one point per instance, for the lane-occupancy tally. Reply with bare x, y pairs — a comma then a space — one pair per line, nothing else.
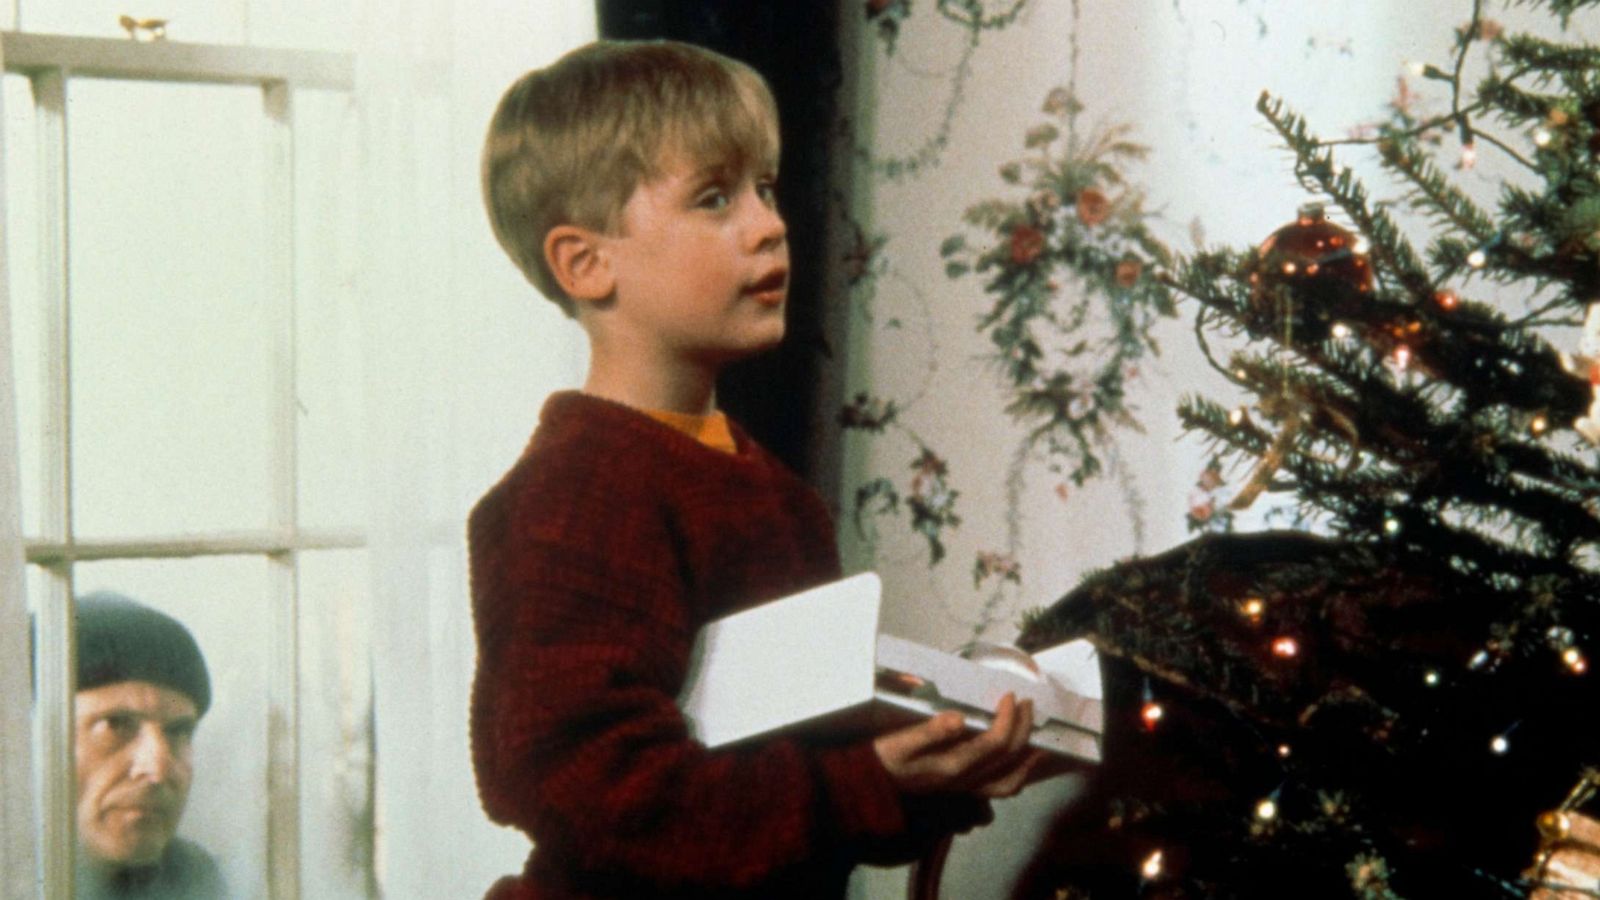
862, 800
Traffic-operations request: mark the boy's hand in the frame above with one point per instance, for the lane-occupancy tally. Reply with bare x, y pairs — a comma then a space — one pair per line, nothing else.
937, 756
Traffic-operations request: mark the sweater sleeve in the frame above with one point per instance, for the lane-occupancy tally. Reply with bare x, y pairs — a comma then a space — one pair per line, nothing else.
578, 741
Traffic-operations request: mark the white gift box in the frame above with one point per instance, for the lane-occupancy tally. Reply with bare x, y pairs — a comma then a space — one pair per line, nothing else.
815, 661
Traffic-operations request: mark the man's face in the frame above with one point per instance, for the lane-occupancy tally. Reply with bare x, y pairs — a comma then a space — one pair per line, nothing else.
134, 769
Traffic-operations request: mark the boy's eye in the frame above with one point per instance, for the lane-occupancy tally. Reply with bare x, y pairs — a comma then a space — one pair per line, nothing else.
712, 198
768, 191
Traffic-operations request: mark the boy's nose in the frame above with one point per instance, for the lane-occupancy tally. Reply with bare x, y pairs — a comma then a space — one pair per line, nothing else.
768, 230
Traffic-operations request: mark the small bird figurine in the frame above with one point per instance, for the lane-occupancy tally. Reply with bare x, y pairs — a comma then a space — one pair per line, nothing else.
144, 29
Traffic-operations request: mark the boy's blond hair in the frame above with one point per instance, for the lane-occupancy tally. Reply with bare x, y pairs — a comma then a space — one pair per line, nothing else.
569, 143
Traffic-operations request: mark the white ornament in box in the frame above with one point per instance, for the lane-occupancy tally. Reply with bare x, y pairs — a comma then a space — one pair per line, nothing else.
814, 662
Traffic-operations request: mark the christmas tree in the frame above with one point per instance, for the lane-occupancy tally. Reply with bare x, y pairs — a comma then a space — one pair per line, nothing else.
1394, 700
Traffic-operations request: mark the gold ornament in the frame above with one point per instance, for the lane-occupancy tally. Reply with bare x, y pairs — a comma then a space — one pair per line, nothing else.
1567, 866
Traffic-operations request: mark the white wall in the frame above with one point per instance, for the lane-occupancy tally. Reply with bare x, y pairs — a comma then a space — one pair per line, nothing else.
1186, 74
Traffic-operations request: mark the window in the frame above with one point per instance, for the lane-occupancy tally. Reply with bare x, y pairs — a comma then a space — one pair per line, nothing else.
186, 355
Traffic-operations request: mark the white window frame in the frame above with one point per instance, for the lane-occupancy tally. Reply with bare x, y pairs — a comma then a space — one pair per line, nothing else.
52, 63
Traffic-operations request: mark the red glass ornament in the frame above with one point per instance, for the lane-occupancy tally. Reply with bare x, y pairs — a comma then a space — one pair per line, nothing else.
1309, 271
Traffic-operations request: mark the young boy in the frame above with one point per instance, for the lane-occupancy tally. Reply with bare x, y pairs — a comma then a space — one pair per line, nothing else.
633, 184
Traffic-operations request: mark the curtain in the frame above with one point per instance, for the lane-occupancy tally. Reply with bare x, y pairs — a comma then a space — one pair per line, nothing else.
459, 354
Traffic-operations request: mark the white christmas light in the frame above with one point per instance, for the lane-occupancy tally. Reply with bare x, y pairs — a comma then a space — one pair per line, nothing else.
1267, 810
1477, 259
1152, 865
1361, 245
1542, 137
1501, 745
1341, 331
1431, 678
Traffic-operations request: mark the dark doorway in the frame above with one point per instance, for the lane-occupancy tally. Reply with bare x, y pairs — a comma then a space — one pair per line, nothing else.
792, 44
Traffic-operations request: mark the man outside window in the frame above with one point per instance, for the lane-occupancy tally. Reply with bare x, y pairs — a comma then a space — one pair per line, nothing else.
142, 688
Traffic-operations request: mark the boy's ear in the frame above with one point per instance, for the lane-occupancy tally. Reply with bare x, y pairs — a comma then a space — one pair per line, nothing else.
575, 258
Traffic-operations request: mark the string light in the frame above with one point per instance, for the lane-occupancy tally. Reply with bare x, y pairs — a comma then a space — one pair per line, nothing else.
1469, 155
1573, 657
1542, 137
1500, 744
1391, 525
1539, 424
1152, 866
1447, 299
1477, 259
1341, 331
1236, 417
1267, 809
1151, 712
1286, 647
1431, 678
1253, 609
1361, 245
1401, 357
1284, 750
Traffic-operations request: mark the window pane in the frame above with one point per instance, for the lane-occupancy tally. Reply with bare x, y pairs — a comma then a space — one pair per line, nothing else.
328, 330
223, 601
171, 337
210, 21
304, 24
336, 812
22, 276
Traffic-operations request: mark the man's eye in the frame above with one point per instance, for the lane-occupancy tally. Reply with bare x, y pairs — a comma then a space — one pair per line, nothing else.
180, 734
713, 199
120, 726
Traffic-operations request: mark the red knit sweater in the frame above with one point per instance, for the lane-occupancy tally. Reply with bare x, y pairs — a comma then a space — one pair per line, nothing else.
594, 562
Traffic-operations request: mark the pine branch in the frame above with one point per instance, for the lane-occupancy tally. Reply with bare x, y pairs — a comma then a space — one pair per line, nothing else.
1432, 192
1547, 57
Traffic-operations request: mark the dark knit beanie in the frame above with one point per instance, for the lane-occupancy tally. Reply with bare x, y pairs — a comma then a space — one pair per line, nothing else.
120, 639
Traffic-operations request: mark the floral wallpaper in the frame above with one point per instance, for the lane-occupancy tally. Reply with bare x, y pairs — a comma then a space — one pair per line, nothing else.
1021, 175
